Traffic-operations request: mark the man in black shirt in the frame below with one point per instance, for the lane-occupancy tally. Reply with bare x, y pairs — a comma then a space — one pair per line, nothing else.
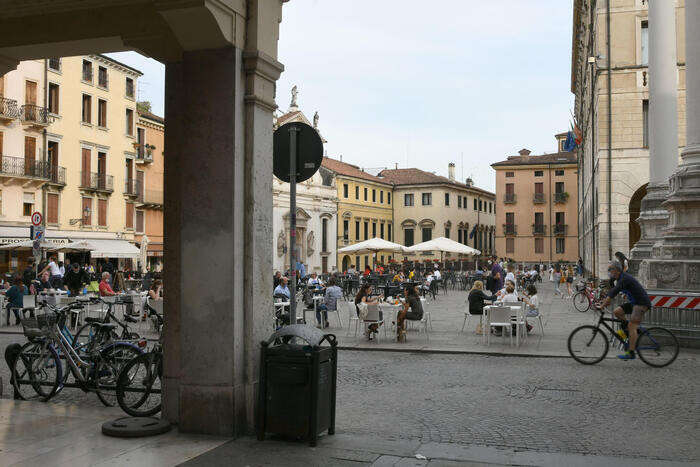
638, 304
75, 279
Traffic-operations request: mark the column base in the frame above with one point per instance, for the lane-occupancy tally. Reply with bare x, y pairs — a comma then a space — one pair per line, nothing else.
653, 218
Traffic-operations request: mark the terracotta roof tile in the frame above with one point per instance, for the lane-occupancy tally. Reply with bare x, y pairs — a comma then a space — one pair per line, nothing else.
556, 158
343, 168
415, 176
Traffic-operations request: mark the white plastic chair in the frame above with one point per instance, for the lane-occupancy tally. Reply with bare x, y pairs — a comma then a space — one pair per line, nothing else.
337, 313
352, 316
374, 317
467, 316
499, 316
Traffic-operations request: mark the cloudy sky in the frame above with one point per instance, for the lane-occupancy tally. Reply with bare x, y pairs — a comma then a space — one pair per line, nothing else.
422, 84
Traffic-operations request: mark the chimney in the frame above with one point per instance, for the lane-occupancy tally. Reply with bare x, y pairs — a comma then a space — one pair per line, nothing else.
451, 170
470, 182
524, 152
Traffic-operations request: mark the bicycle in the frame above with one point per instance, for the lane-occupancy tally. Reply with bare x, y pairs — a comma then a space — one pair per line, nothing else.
588, 344
38, 365
91, 333
585, 297
139, 382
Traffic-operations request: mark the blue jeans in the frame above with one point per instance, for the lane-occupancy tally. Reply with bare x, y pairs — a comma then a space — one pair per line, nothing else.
322, 308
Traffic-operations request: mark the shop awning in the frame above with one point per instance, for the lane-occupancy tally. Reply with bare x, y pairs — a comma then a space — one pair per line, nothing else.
112, 249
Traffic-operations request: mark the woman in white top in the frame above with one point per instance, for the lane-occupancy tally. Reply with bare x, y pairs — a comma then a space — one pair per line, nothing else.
511, 277
510, 295
551, 273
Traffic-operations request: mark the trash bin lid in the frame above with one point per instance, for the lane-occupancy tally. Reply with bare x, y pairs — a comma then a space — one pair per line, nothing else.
310, 334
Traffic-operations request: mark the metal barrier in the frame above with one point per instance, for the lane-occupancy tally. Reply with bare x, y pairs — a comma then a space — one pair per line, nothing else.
678, 312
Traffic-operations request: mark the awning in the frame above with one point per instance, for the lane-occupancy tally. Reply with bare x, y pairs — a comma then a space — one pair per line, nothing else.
113, 249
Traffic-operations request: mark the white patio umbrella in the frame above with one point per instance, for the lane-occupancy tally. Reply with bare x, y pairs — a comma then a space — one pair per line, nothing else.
144, 253
444, 245
373, 245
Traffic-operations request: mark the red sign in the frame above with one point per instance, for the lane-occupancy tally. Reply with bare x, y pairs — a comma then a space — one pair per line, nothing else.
36, 218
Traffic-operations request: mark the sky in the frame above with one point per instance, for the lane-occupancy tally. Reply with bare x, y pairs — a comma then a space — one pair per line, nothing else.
422, 84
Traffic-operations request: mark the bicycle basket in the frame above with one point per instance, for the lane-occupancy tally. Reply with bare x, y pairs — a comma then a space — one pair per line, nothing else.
580, 287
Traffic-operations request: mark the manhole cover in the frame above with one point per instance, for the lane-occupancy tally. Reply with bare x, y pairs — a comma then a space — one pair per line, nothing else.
558, 393
135, 427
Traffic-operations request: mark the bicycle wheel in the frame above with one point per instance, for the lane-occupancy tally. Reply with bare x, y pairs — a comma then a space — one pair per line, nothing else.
587, 345
657, 347
111, 361
139, 385
89, 337
581, 302
37, 372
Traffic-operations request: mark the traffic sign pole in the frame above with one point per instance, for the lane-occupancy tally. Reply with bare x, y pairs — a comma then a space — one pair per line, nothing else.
293, 221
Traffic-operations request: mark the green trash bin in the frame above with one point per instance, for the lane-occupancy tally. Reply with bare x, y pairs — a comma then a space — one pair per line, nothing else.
297, 387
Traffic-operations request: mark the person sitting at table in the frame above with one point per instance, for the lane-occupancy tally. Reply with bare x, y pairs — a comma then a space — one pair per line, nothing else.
436, 273
533, 304
476, 298
415, 306
351, 270
276, 279
333, 294
15, 299
314, 281
399, 278
44, 282
282, 288
368, 271
510, 294
155, 290
363, 296
105, 288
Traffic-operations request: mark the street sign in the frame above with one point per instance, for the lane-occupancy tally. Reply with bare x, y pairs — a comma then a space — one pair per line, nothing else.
309, 151
36, 218
39, 231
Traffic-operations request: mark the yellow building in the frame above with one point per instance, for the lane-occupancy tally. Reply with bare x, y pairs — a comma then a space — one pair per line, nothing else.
69, 150
364, 211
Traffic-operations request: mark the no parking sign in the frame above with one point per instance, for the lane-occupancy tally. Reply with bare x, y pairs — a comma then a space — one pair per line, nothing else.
36, 218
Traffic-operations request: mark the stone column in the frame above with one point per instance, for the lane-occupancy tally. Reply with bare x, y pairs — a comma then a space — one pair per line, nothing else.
676, 257
663, 125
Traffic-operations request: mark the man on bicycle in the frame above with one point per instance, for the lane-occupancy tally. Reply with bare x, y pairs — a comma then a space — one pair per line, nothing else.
638, 304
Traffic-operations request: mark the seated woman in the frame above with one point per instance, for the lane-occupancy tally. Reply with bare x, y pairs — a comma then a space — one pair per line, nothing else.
155, 290
532, 302
363, 296
413, 304
477, 296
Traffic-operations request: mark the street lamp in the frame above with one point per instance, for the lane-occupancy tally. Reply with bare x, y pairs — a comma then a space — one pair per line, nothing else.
81, 220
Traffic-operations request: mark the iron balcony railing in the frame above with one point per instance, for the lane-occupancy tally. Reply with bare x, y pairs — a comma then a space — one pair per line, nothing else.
539, 229
20, 167
560, 229
132, 187
34, 114
509, 229
561, 197
8, 108
509, 198
55, 64
96, 181
102, 80
538, 198
87, 73
143, 153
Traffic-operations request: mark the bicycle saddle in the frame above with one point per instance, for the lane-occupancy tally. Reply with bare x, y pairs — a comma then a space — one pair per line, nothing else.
89, 319
106, 326
130, 319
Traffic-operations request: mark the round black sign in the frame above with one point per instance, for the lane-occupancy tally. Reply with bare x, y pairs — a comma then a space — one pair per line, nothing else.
309, 151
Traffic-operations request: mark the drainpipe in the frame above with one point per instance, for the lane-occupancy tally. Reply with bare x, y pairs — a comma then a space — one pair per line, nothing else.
551, 198
607, 27
43, 143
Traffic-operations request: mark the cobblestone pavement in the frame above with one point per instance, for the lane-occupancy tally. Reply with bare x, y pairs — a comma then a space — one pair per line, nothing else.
541, 404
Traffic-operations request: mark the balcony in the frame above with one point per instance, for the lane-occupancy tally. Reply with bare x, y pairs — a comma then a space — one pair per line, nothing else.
560, 230
510, 229
132, 187
561, 198
8, 110
31, 170
538, 198
35, 116
151, 199
539, 229
96, 182
509, 198
144, 153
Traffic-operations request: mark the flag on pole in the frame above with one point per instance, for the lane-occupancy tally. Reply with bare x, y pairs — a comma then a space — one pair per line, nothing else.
570, 143
471, 234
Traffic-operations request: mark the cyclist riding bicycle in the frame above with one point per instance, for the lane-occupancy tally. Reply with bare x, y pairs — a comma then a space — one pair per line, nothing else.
638, 304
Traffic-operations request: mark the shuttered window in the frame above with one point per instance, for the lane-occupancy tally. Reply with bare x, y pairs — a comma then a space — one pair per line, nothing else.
53, 98
129, 122
87, 109
139, 221
87, 215
52, 208
102, 113
129, 215
102, 212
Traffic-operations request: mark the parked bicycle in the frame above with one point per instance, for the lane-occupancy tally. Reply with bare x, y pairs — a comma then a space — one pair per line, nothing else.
38, 374
585, 297
656, 346
139, 391
92, 333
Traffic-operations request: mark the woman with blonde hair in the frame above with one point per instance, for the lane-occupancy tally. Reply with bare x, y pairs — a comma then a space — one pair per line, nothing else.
569, 280
476, 301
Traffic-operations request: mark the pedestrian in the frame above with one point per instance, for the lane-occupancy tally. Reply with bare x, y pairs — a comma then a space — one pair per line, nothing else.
53, 269
75, 279
15, 299
569, 281
557, 279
